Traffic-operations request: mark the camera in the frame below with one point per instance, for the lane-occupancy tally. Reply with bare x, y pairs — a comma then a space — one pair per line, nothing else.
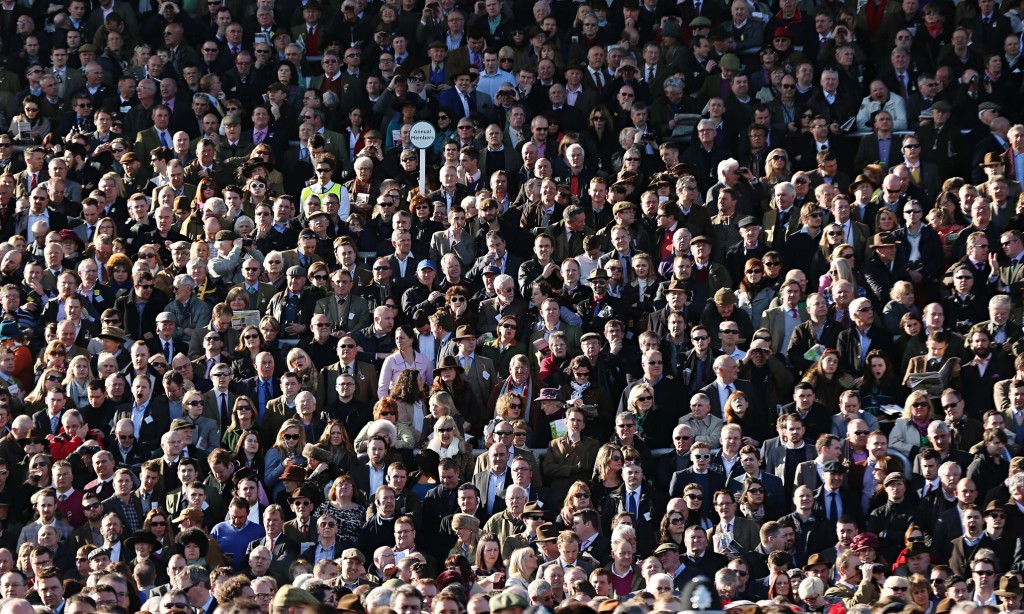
246, 242
973, 80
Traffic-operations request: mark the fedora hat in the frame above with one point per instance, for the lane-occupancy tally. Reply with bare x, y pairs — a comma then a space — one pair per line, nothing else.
993, 158
547, 532
113, 333
464, 332
142, 536
1009, 586
304, 492
9, 329
883, 239
293, 473
598, 273
549, 394
448, 362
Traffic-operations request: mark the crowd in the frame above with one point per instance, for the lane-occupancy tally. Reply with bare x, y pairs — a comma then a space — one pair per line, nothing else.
694, 306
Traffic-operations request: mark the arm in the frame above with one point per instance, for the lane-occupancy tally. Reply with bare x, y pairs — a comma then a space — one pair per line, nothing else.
273, 467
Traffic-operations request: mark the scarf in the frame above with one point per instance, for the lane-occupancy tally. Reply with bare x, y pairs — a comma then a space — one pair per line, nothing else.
578, 389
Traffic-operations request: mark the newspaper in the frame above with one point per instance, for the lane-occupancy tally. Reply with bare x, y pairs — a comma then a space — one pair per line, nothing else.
934, 382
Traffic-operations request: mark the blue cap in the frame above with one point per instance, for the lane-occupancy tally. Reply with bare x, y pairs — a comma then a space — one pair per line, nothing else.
425, 264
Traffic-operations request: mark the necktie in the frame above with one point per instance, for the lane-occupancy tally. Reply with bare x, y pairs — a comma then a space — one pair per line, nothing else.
168, 353
164, 140
696, 7
794, 313
599, 79
927, 489
833, 509
32, 181
54, 424
650, 74
1019, 417
264, 396
62, 498
225, 414
631, 504
915, 174
728, 388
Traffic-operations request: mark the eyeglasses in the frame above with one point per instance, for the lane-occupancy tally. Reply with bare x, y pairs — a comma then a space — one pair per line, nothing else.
986, 572
644, 399
702, 456
920, 404
445, 430
388, 413
695, 497
190, 404
626, 426
730, 331
291, 437
911, 146
756, 491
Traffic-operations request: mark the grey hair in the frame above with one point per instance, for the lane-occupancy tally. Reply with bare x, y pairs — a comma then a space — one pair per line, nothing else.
538, 588
183, 280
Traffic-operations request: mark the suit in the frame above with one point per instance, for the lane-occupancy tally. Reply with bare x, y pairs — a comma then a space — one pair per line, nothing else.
849, 345
282, 552
465, 250
745, 533
261, 298
155, 422
807, 474
482, 482
650, 509
149, 139
564, 463
775, 460
710, 483
17, 224
366, 384
977, 387
291, 258
349, 315
115, 505
480, 375
774, 319
711, 390
477, 103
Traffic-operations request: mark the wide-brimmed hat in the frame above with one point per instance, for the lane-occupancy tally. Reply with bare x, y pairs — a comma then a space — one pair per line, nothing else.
862, 178
550, 394
917, 547
113, 333
304, 492
464, 332
598, 273
547, 532
1009, 586
864, 541
293, 473
448, 362
883, 239
9, 329
142, 536
993, 158
33, 436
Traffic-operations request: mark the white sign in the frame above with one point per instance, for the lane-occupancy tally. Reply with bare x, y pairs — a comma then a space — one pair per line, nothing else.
422, 134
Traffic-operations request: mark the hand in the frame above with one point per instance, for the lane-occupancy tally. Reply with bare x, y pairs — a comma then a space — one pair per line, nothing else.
83, 431
294, 329
710, 66
993, 263
389, 571
549, 269
435, 295
867, 569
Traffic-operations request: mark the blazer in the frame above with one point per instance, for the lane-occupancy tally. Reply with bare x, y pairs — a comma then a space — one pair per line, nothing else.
115, 505
482, 482
291, 258
711, 390
807, 474
480, 376
366, 384
650, 509
774, 319
351, 315
564, 464
775, 459
283, 552
745, 532
775, 498
464, 250
848, 344
680, 479
773, 234
155, 422
264, 292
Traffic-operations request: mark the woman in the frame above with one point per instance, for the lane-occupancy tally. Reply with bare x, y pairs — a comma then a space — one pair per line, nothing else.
943, 223
467, 537
158, 523
842, 265
237, 299
301, 364
827, 379
406, 356
644, 281
442, 404
456, 303
49, 379
312, 420
599, 140
30, 126
400, 433
206, 190
553, 365
119, 269
886, 221
508, 408
780, 588
193, 544
754, 295
427, 475
921, 593
269, 329
243, 419
911, 430
652, 427
408, 392
607, 473
76, 382
286, 451
255, 194
522, 567
880, 385
735, 412
752, 501
343, 505
336, 440
448, 379
446, 442
362, 190
249, 454
287, 76
273, 270
55, 357
423, 227
673, 526
261, 155
579, 391
693, 496
902, 302
577, 498
250, 344
520, 382
776, 168
39, 475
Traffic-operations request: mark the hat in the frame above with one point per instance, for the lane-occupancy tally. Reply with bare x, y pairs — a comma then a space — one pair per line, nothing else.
447, 578
353, 553
315, 214
725, 296
351, 603
547, 532
699, 239
189, 513
699, 596
670, 29
532, 508
730, 61
861, 179
436, 44
243, 473
181, 245
624, 205
782, 32
313, 5
700, 22
9, 329
180, 424
374, 134
1009, 586
231, 120
164, 316
506, 601
87, 48
993, 158
226, 235
749, 221
994, 506
598, 273
98, 552
917, 547
814, 559
985, 106
464, 332
892, 477
834, 467
942, 105
293, 473
289, 595
174, 6
34, 436
315, 452
142, 536
70, 235
113, 333
88, 449
128, 156
550, 394
410, 98
883, 239
492, 270
591, 335
465, 521
448, 362
676, 285
296, 271
667, 547
304, 492
426, 264
865, 540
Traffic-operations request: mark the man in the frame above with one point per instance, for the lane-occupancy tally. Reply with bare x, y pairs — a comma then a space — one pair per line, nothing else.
492, 482
814, 416
855, 585
44, 503
347, 312
819, 328
895, 516
200, 597
149, 415
642, 502
125, 502
833, 502
698, 555
726, 382
294, 306
732, 534
236, 533
855, 342
812, 473
782, 461
327, 546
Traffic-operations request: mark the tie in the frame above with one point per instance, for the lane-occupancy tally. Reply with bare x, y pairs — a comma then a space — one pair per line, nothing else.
728, 388
927, 489
259, 137
599, 79
794, 313
696, 7
1019, 418
31, 181
168, 353
54, 424
225, 414
915, 174
89, 231
62, 498
650, 74
833, 508
264, 396
164, 140
631, 504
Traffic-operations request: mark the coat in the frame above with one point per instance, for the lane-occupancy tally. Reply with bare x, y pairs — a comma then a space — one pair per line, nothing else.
745, 533
650, 509
565, 463
350, 315
155, 422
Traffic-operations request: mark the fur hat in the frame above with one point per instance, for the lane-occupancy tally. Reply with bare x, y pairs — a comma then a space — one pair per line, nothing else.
385, 428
